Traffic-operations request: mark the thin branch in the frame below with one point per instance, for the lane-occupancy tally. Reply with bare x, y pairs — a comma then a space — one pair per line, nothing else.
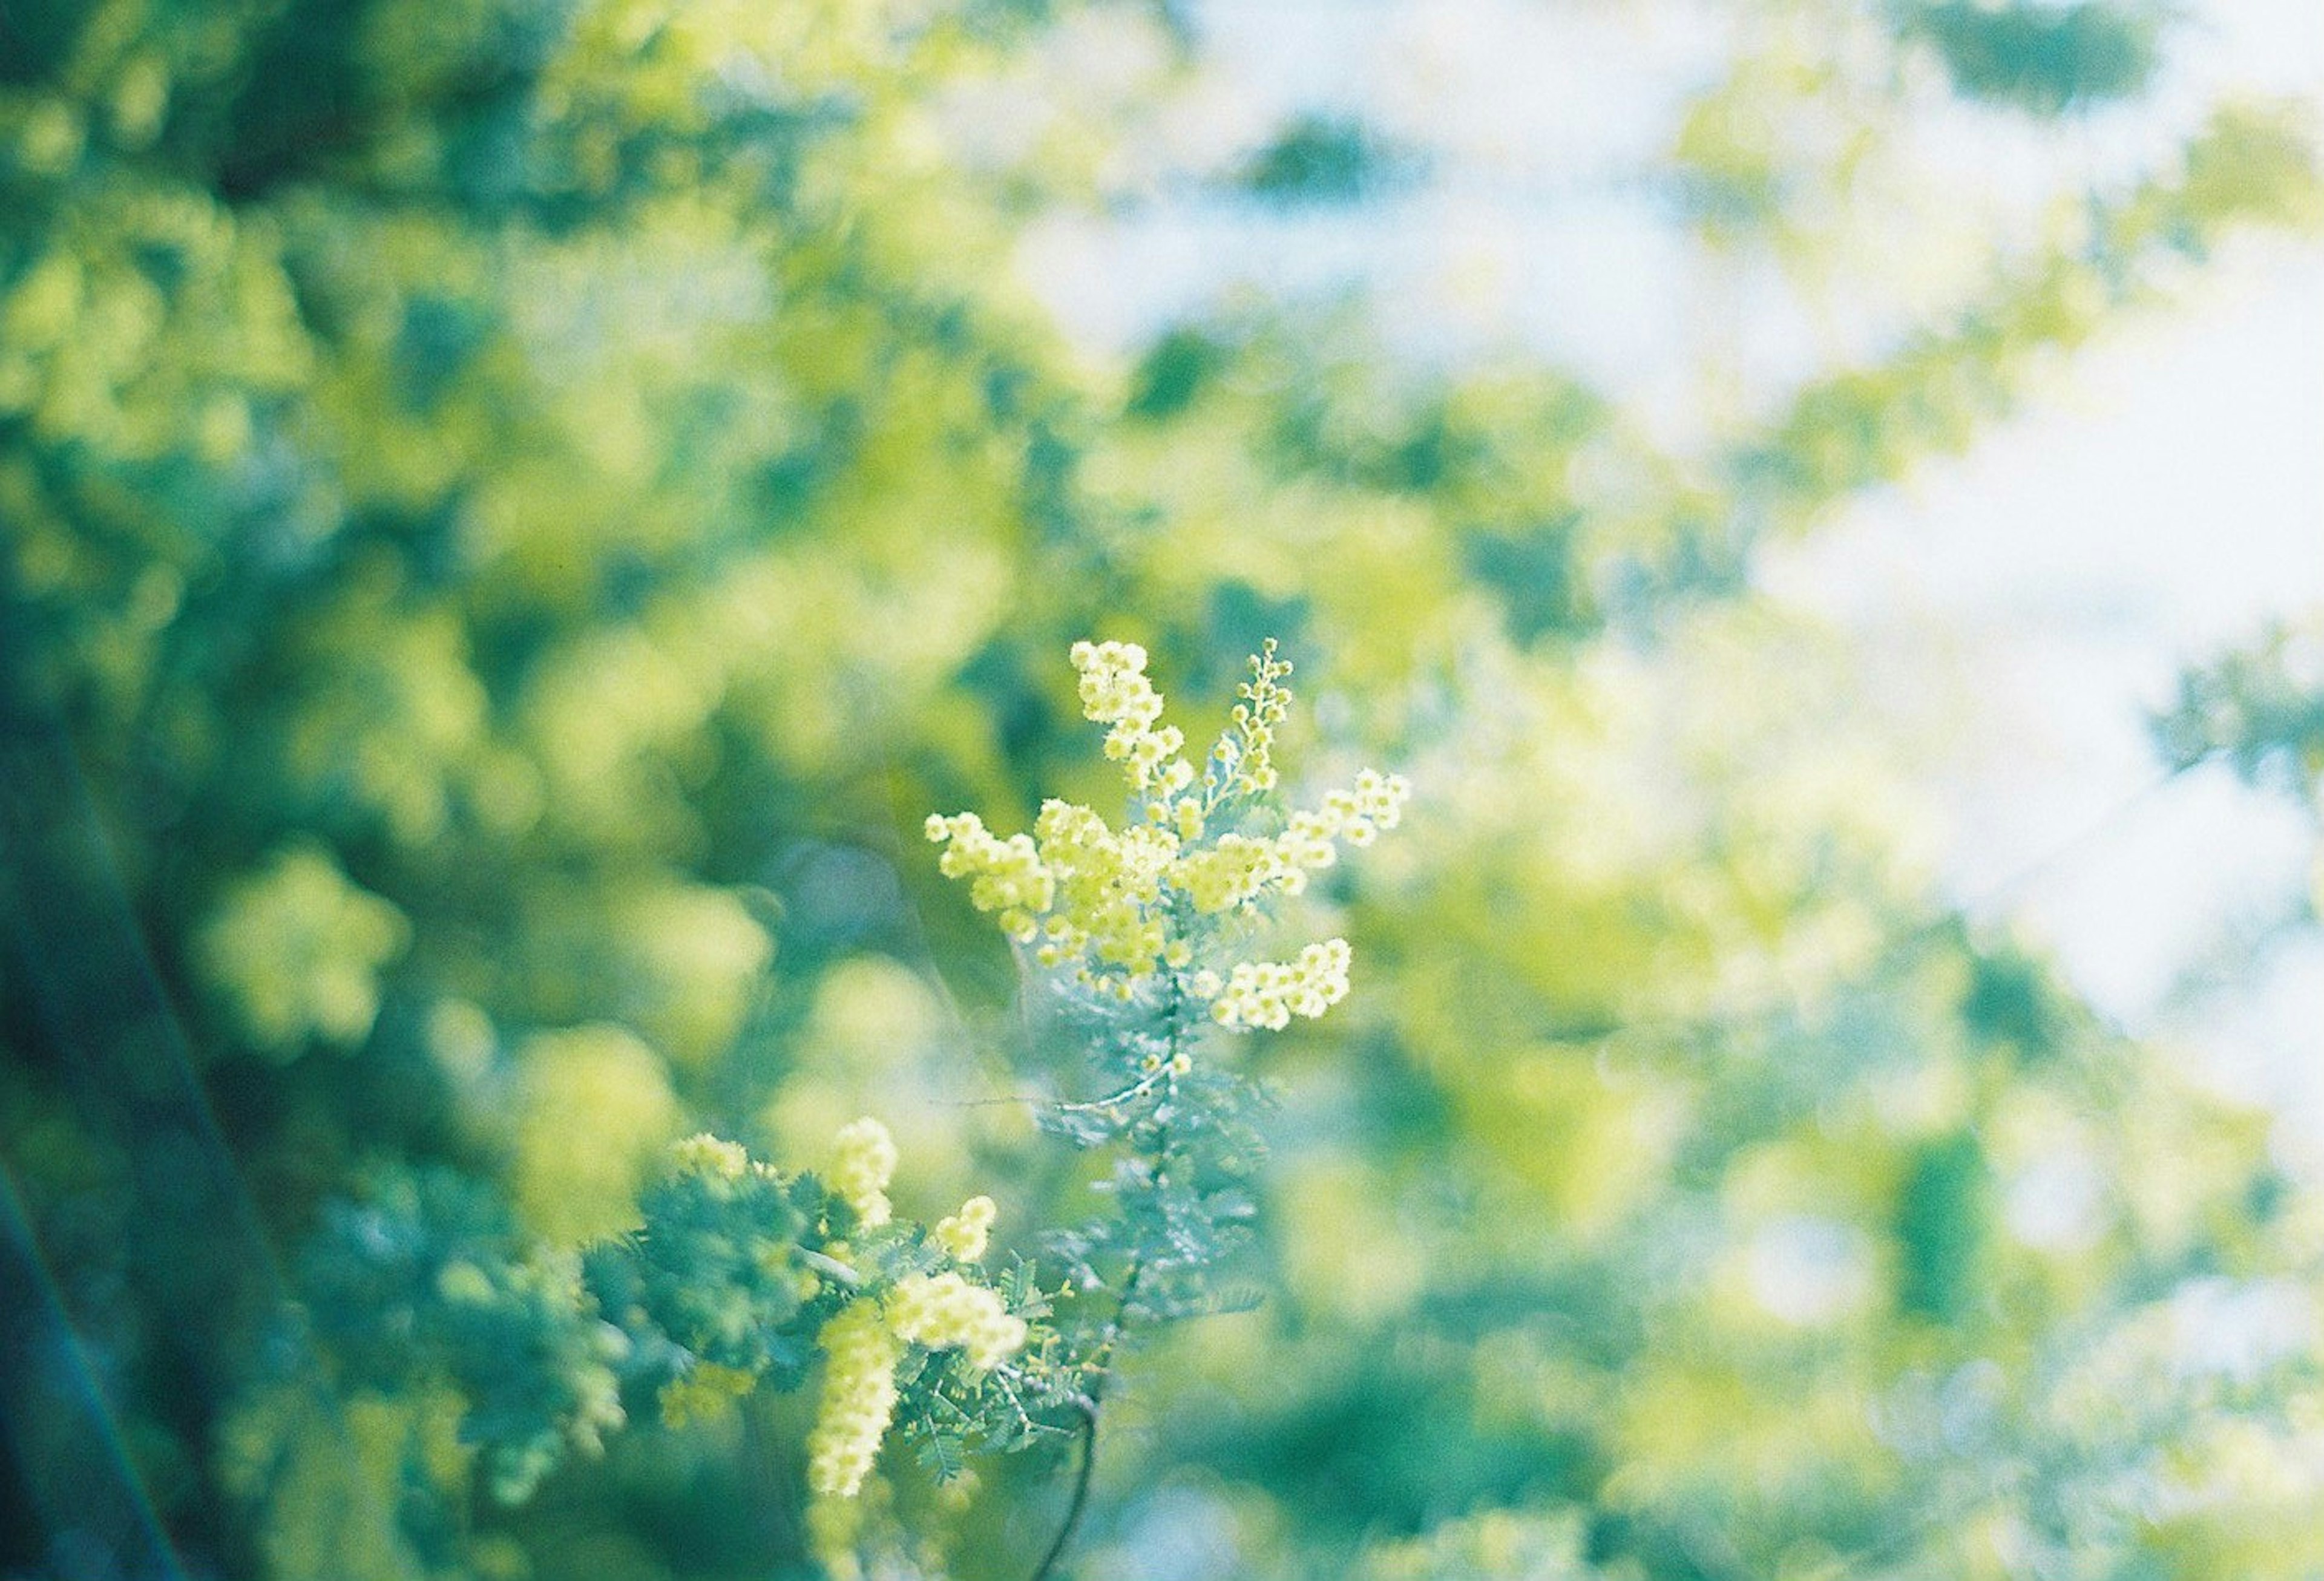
1101, 1359
1080, 1502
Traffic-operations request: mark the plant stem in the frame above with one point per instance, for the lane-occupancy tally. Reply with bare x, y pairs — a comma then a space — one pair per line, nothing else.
1080, 1502
1103, 1357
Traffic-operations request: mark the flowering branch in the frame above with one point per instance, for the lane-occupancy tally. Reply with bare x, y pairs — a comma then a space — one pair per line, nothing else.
741, 1274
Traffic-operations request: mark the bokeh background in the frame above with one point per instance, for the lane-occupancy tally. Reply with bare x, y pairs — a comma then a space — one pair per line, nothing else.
512, 510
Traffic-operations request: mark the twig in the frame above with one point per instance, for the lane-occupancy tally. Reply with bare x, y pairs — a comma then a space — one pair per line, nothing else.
1102, 1359
1080, 1500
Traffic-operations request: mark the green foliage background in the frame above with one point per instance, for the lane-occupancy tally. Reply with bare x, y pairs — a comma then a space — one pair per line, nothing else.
511, 512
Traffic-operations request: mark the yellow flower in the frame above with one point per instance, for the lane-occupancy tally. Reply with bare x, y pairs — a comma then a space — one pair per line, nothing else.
1005, 876
962, 1235
1231, 871
944, 1310
1115, 692
711, 1157
1113, 904
863, 1161
859, 1398
705, 1391
1268, 993
1265, 702
1109, 888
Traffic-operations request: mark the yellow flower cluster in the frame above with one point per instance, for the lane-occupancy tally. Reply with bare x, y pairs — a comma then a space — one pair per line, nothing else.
863, 1161
861, 1351
1109, 888
1356, 816
1265, 702
704, 1393
1233, 871
863, 1345
1113, 901
1269, 993
864, 1342
1115, 692
963, 1234
944, 1310
1005, 876
711, 1157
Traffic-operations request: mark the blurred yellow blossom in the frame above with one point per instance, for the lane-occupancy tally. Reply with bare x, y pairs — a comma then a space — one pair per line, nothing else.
944, 1310
704, 1393
594, 1107
864, 1160
859, 1398
298, 947
962, 1235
